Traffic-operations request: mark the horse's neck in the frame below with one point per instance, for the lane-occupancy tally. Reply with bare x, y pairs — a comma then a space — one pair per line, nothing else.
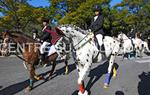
77, 37
125, 36
22, 39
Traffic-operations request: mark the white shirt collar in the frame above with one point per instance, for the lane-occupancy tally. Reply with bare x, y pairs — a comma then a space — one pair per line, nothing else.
95, 18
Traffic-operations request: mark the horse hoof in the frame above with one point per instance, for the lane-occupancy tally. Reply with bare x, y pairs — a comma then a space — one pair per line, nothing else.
39, 77
66, 73
106, 86
114, 76
85, 93
28, 89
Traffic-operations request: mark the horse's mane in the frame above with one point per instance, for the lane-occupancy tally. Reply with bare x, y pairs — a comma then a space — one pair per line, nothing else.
75, 28
22, 35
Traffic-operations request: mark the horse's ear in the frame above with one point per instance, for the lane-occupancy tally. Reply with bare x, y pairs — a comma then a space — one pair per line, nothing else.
59, 31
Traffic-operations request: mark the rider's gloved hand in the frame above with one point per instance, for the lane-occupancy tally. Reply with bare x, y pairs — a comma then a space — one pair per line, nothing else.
89, 30
91, 34
39, 40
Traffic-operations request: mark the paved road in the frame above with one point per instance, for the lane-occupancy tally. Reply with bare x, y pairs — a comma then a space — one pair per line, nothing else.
130, 80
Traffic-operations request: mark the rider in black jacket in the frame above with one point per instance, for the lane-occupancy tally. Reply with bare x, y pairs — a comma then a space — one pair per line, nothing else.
45, 38
97, 26
35, 33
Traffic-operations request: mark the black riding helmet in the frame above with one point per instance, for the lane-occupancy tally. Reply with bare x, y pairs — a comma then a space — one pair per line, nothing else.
6, 30
47, 20
34, 30
97, 8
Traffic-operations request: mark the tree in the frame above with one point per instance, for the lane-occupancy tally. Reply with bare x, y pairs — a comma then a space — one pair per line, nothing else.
136, 15
20, 16
59, 8
82, 16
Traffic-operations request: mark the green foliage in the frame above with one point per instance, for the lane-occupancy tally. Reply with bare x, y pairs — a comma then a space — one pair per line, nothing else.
127, 15
83, 14
20, 16
135, 14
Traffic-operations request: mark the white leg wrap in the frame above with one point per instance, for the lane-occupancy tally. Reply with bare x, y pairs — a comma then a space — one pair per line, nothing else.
85, 93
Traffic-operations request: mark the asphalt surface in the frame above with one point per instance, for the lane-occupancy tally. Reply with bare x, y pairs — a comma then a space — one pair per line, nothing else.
130, 78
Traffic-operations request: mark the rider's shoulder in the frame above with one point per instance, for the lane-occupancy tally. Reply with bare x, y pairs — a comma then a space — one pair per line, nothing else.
49, 27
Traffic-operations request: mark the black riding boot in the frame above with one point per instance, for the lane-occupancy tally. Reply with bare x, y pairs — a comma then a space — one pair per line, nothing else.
102, 47
42, 58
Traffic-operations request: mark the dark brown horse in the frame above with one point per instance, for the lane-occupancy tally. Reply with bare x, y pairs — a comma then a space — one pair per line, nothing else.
30, 54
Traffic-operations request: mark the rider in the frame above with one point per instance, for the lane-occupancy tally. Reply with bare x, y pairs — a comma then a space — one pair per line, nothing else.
131, 34
35, 33
49, 37
45, 38
97, 26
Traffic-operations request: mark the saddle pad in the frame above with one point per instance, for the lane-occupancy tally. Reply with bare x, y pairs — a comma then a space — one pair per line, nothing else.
52, 50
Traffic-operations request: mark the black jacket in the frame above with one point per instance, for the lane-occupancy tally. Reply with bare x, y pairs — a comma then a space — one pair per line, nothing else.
97, 26
131, 34
46, 36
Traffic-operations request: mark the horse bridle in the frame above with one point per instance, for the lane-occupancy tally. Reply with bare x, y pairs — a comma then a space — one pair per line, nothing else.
16, 52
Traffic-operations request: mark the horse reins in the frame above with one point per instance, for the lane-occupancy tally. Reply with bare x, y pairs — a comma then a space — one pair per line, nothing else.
81, 41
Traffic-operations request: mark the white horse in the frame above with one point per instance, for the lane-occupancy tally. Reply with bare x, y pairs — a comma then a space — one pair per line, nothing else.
126, 43
141, 47
132, 44
85, 52
145, 47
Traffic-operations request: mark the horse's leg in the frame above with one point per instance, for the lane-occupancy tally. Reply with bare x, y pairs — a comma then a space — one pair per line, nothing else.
53, 68
107, 79
31, 79
66, 67
25, 65
37, 77
82, 72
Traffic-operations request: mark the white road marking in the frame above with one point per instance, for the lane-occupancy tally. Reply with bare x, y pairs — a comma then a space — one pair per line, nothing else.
143, 61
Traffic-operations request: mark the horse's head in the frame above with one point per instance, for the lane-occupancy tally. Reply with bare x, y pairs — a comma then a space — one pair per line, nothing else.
122, 37
66, 29
76, 34
12, 38
4, 46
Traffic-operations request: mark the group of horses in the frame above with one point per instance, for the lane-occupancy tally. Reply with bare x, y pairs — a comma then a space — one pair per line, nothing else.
82, 48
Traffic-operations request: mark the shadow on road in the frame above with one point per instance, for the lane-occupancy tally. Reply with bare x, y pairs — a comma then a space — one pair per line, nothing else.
15, 88
119, 93
75, 92
56, 73
61, 71
144, 84
96, 73
71, 67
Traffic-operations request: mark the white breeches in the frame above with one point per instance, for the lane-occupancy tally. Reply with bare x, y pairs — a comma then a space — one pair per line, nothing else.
100, 39
51, 49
